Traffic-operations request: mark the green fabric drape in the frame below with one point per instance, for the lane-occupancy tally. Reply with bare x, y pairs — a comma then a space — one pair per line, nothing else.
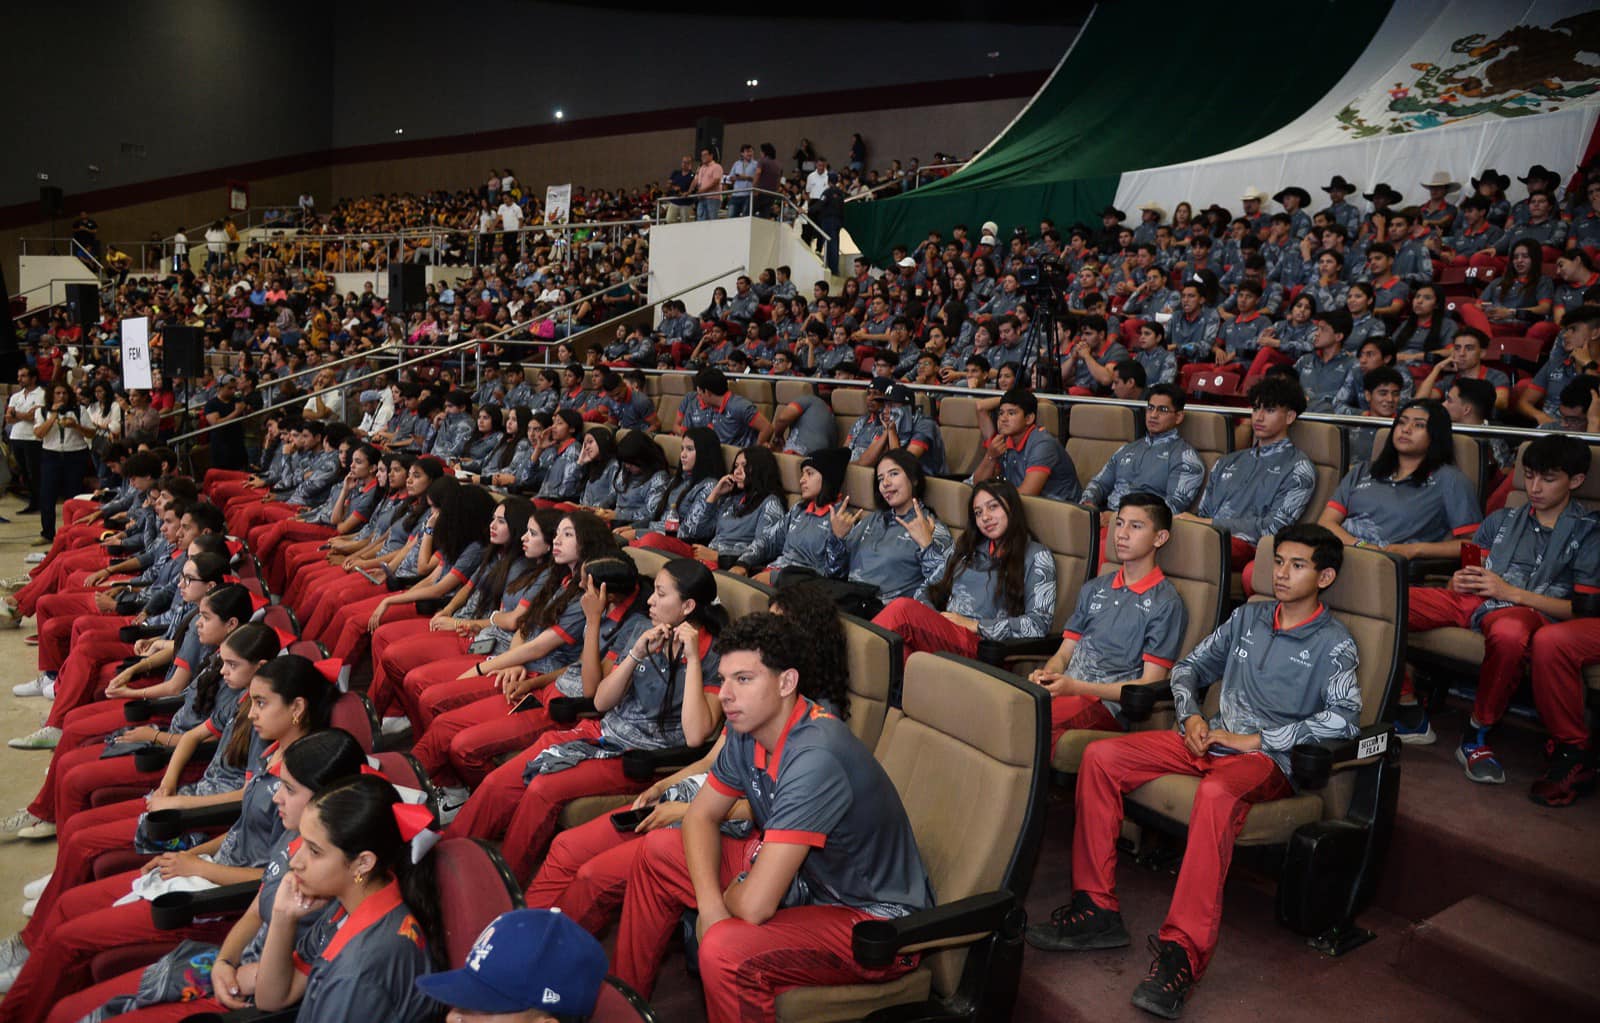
1138, 89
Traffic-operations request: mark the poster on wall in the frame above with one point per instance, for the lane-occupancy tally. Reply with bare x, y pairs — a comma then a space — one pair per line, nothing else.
557, 203
238, 196
136, 352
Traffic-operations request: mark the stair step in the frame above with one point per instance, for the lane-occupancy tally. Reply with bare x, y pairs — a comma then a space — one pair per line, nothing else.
1499, 960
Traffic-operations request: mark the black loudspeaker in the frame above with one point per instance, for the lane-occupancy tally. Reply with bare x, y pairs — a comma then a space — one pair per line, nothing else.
408, 287
83, 304
182, 352
708, 133
52, 203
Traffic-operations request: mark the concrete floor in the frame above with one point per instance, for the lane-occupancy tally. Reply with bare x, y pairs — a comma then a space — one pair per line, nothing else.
21, 771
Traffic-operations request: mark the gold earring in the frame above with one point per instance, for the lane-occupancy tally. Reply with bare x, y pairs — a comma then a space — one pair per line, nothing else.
361, 878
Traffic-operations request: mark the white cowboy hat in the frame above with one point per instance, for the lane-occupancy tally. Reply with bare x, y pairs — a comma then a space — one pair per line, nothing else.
1156, 208
1255, 193
1441, 180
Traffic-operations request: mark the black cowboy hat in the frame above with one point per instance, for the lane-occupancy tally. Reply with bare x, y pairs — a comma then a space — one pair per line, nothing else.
1381, 190
1305, 196
1494, 177
1340, 183
1541, 172
1112, 211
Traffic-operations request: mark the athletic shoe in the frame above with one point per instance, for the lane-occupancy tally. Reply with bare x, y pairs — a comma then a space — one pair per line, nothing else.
35, 888
32, 640
43, 738
50, 688
16, 582
9, 619
34, 558
29, 906
1477, 758
1079, 926
32, 687
1569, 776
1168, 983
13, 824
43, 829
43, 541
17, 954
1412, 727
395, 725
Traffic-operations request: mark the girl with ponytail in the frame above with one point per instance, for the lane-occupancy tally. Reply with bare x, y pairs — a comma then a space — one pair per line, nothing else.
309, 766
311, 566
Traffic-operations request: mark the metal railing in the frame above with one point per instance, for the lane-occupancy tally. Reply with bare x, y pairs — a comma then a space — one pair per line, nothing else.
461, 346
788, 212
915, 180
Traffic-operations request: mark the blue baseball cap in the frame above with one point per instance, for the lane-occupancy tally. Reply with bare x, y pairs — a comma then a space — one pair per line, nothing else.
525, 959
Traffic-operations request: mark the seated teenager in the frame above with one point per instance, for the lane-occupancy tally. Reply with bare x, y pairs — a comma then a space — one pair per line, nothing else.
308, 566
641, 482
469, 710
1576, 353
830, 809
586, 871
598, 470
700, 466
346, 509
1465, 362
1322, 372
1161, 462
902, 425
146, 995
999, 583
290, 699
900, 547
562, 444
1127, 628
1412, 500
1275, 695
660, 694
1260, 490
1535, 559
809, 524
1381, 400
1429, 330
1025, 454
362, 960
747, 510
803, 425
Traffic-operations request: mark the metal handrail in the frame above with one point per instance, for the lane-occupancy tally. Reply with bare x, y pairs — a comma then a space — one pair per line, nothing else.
916, 179
783, 200
460, 346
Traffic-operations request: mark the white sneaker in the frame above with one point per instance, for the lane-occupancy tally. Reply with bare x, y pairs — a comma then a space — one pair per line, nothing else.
29, 906
394, 725
43, 829
12, 952
50, 688
34, 558
15, 823
34, 686
35, 888
8, 974
44, 738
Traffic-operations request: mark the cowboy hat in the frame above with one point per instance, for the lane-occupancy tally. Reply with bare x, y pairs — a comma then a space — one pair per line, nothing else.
1112, 211
1340, 184
1154, 207
1441, 179
1253, 193
1492, 177
1295, 190
1541, 172
1381, 190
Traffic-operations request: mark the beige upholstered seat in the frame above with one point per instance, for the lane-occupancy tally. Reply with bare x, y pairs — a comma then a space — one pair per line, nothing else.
849, 404
759, 393
966, 737
785, 391
1369, 597
1195, 561
670, 444
1324, 444
1209, 434
1094, 433
949, 500
1073, 536
958, 422
861, 486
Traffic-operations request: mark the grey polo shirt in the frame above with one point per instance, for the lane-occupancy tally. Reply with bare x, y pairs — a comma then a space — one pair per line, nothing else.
1120, 626
1038, 452
1160, 463
1258, 491
814, 429
1385, 512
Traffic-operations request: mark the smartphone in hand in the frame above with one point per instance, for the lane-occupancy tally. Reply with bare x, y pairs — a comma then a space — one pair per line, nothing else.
626, 821
1472, 555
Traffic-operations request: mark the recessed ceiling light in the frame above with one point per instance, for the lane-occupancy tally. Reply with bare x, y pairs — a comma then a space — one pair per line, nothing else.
560, 115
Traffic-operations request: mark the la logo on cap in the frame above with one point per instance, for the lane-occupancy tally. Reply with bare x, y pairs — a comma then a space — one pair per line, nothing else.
550, 997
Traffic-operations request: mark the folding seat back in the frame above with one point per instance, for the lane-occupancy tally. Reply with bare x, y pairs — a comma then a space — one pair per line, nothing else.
619, 1003
280, 618
963, 441
1049, 418
789, 472
1073, 536
475, 887
1324, 444
849, 404
1209, 434
729, 453
785, 391
1195, 562
757, 392
647, 560
741, 596
972, 737
861, 486
1094, 433
874, 661
354, 714
949, 500
670, 444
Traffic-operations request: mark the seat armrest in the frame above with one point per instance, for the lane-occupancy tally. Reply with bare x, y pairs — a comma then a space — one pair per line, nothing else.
564, 710
1313, 763
175, 910
1138, 702
645, 764
996, 651
162, 825
142, 709
1586, 605
875, 943
1418, 569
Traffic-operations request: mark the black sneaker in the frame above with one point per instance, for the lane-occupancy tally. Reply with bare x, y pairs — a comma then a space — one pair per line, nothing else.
1569, 776
1078, 927
1167, 984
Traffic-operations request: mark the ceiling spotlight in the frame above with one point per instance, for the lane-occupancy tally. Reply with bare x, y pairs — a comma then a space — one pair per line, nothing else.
993, 54
42, 176
751, 82
559, 115
399, 131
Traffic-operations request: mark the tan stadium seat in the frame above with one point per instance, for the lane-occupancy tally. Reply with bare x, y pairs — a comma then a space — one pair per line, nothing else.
1337, 827
963, 442
861, 486
971, 737
1324, 444
647, 560
950, 500
849, 404
729, 453
672, 388
758, 392
1195, 561
741, 596
1458, 653
786, 391
1209, 434
669, 443
1094, 433
875, 662
1049, 417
